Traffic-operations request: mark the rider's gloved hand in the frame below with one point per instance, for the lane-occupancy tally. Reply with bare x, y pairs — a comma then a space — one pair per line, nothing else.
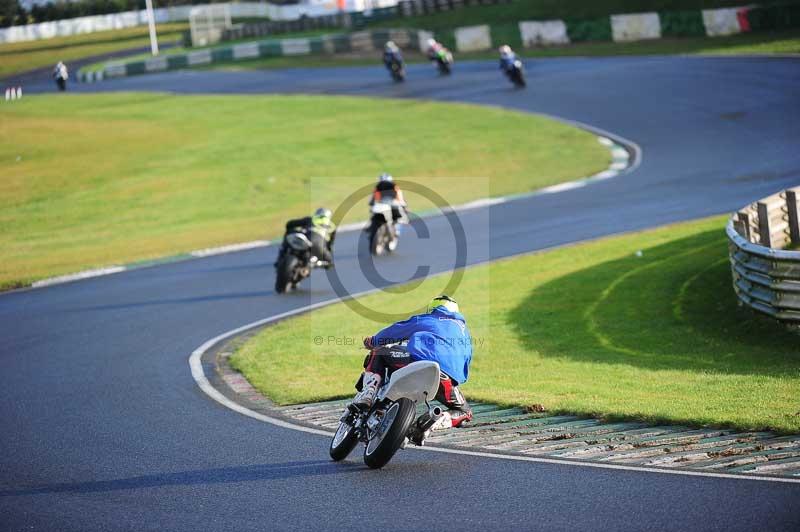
368, 342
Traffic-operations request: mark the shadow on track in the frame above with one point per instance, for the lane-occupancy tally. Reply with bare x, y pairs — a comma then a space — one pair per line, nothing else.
312, 468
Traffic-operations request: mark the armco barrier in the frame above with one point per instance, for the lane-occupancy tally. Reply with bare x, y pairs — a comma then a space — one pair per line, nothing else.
682, 24
766, 277
363, 41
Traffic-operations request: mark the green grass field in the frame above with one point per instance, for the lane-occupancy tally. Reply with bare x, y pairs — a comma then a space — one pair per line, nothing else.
591, 329
24, 56
107, 179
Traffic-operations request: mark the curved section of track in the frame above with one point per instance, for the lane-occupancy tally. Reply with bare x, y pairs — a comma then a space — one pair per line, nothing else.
104, 428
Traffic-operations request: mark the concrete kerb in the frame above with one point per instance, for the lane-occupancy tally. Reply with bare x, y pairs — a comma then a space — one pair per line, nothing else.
625, 155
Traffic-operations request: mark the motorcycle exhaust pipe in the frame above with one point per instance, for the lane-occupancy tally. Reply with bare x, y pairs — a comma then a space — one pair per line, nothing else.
429, 418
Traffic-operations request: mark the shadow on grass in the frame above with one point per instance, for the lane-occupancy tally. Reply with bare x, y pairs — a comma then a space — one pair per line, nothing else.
673, 308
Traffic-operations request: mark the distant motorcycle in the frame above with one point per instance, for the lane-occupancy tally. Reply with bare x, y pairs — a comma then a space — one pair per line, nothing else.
443, 60
60, 75
392, 421
516, 73
397, 70
296, 263
383, 230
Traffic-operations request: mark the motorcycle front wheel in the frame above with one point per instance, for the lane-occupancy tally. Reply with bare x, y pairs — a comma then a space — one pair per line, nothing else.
389, 435
344, 441
285, 274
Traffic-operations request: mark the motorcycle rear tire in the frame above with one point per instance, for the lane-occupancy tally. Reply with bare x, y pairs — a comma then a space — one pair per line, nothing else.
379, 238
379, 454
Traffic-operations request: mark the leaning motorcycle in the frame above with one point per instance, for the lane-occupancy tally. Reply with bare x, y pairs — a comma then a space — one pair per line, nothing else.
60, 75
397, 70
296, 263
383, 230
516, 73
443, 60
392, 421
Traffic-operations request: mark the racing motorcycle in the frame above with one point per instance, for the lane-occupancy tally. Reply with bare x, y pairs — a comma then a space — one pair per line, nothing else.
516, 73
392, 421
383, 231
397, 69
60, 75
296, 263
443, 60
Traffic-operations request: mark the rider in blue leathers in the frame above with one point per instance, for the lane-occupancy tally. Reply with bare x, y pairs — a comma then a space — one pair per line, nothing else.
440, 335
392, 53
507, 58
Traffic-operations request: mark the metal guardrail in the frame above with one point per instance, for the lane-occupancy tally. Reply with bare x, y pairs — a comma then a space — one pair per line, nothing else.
766, 276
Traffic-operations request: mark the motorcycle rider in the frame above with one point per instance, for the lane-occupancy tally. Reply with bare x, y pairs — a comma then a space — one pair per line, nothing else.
60, 75
434, 47
386, 190
319, 229
507, 58
391, 53
440, 335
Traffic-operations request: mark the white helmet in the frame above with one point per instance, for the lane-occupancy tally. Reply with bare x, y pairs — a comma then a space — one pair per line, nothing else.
385, 178
390, 46
505, 50
431, 43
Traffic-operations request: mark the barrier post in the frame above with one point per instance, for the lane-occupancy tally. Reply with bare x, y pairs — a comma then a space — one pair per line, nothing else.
794, 215
763, 224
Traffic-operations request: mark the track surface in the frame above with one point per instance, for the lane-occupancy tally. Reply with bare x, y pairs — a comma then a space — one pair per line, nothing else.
104, 428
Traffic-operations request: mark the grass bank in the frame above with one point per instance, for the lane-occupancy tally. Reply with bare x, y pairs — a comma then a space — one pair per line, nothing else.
24, 56
552, 9
591, 329
103, 179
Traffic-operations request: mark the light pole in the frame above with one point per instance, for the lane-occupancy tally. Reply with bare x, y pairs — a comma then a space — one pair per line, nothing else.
151, 22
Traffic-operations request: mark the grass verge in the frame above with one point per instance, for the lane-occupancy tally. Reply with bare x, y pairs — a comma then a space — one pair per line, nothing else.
24, 56
92, 180
592, 329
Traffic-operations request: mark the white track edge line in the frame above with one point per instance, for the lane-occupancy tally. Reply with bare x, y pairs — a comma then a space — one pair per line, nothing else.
77, 276
196, 365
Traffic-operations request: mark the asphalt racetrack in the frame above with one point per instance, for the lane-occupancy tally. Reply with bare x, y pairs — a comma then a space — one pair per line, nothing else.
103, 427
